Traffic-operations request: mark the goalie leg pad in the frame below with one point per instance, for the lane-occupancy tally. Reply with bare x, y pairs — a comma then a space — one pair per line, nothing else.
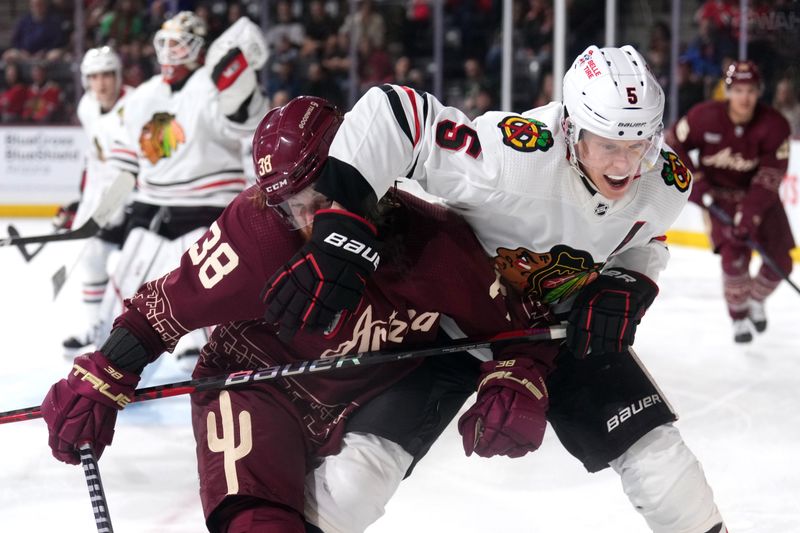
665, 483
349, 491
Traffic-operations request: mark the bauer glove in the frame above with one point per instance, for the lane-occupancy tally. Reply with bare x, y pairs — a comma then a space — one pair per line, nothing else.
326, 276
606, 312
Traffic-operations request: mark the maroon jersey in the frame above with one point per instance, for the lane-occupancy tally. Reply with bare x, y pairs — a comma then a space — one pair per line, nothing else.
441, 269
735, 157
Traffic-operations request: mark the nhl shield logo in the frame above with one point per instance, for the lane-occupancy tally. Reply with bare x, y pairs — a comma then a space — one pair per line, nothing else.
525, 134
601, 209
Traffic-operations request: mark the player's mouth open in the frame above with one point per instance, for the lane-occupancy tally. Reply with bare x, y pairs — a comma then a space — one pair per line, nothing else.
616, 182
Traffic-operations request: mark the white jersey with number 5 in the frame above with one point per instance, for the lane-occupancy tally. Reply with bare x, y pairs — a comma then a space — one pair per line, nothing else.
547, 229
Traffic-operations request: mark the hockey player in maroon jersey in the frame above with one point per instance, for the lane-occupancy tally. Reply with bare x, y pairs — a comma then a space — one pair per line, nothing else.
255, 445
743, 155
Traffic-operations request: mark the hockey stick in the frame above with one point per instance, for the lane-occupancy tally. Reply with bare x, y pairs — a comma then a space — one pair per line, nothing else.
14, 233
111, 201
315, 366
726, 219
95, 485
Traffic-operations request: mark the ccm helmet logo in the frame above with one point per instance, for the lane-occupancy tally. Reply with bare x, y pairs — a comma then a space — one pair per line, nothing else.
275, 186
354, 246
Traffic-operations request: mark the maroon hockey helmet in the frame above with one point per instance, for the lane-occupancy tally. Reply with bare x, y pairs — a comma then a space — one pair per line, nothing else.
742, 72
291, 144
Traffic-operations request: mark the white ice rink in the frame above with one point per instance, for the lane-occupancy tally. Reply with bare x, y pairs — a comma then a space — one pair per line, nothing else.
739, 408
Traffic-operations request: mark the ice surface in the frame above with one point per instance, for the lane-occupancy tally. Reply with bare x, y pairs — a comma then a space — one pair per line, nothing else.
739, 408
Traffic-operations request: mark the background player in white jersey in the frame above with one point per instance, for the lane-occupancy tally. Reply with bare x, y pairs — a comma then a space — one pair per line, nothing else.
571, 200
100, 113
185, 126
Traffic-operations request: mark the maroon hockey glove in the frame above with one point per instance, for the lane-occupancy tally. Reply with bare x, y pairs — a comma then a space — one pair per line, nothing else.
606, 312
700, 187
509, 415
83, 407
326, 276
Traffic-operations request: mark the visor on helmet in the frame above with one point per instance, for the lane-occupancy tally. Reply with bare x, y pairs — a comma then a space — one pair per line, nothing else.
298, 210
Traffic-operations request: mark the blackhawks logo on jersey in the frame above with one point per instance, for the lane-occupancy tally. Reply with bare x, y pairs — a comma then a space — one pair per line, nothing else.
674, 172
547, 276
160, 137
525, 134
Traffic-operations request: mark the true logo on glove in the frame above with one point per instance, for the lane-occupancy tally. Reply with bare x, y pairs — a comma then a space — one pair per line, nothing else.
354, 246
101, 386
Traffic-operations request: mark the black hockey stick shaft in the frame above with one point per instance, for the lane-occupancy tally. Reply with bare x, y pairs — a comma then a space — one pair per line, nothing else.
27, 255
112, 200
97, 495
315, 366
726, 219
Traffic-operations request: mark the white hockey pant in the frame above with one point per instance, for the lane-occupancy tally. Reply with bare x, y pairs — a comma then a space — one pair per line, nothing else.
665, 483
349, 491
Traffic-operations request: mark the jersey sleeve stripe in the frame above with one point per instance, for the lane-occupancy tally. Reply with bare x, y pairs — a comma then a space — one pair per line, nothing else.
397, 110
412, 96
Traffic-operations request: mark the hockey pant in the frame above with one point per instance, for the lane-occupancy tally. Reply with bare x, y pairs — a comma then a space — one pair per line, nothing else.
146, 256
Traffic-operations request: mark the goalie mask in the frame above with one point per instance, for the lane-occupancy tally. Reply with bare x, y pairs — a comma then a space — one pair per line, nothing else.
178, 45
290, 146
614, 112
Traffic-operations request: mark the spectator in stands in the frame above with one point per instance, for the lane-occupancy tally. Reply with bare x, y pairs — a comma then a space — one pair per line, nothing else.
474, 82
43, 105
319, 83
374, 64
658, 52
280, 98
12, 99
335, 58
785, 101
37, 34
122, 25
285, 27
319, 24
690, 87
282, 78
367, 23
545, 93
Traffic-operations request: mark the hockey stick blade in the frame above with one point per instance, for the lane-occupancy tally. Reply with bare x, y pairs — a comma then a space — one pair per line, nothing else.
58, 279
111, 201
28, 256
313, 366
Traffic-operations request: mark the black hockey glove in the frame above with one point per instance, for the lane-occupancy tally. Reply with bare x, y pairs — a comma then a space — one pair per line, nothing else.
326, 276
606, 312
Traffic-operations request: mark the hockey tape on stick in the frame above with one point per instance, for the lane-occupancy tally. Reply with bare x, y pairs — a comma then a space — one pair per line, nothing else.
726, 219
111, 201
95, 485
314, 366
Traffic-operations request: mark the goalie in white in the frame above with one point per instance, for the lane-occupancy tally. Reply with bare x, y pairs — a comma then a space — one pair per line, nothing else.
186, 126
572, 201
99, 112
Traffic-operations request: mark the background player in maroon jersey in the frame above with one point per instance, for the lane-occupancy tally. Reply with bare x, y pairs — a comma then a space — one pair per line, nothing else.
255, 445
743, 155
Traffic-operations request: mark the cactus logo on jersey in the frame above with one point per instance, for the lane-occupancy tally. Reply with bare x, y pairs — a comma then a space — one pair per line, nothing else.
674, 172
160, 137
547, 276
525, 134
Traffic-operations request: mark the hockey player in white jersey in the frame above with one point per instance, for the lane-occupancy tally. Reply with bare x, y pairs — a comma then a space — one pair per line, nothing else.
99, 112
186, 126
572, 201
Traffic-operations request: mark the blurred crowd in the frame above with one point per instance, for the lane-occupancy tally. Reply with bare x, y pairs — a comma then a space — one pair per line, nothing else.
310, 48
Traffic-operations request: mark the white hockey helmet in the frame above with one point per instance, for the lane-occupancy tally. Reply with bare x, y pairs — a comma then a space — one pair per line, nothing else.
97, 60
612, 93
180, 39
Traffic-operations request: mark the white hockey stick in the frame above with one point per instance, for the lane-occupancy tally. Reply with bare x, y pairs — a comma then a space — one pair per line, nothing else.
113, 198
